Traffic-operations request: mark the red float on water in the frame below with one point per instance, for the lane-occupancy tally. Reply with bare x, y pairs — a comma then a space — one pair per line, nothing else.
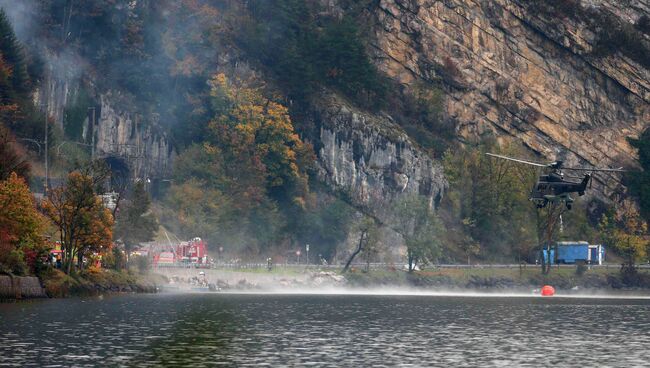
548, 290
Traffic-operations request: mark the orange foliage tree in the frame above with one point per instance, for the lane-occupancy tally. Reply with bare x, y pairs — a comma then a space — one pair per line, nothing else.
21, 227
255, 137
84, 224
247, 179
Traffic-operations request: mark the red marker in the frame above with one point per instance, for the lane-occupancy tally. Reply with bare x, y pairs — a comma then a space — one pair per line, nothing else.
548, 290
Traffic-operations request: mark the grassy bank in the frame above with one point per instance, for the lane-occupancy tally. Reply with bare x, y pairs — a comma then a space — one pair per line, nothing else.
91, 282
477, 278
503, 278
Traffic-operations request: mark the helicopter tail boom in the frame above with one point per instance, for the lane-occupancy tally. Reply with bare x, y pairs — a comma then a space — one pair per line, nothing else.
583, 184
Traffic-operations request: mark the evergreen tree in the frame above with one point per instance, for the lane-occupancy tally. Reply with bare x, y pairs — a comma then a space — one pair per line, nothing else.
136, 223
640, 182
13, 54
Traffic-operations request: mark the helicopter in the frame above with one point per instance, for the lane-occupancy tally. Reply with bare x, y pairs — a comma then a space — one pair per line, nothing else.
552, 186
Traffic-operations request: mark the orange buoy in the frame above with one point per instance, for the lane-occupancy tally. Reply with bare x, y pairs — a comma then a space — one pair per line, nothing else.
548, 290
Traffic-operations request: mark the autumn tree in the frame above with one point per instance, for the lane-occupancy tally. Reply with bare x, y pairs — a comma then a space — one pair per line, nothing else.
255, 136
135, 222
627, 235
250, 159
84, 224
421, 229
22, 227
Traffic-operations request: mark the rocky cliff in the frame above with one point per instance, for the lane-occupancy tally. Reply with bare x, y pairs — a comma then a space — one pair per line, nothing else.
128, 136
513, 72
121, 132
370, 160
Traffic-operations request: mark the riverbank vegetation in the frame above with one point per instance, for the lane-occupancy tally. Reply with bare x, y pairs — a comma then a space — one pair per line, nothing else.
93, 281
500, 279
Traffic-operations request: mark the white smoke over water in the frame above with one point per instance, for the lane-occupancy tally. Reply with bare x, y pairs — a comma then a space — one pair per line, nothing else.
331, 283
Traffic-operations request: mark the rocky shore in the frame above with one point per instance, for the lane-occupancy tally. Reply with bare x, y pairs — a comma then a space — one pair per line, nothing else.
19, 287
55, 284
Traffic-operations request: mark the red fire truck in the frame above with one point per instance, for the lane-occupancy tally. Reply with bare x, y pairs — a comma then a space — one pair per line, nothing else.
193, 252
187, 253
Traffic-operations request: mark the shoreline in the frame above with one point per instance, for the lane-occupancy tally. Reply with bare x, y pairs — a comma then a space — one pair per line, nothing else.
481, 280
54, 284
496, 282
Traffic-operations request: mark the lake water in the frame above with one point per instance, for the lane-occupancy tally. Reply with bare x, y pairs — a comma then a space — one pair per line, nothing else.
325, 330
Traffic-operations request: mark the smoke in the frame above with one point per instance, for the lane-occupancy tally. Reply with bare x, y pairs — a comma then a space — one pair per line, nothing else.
21, 13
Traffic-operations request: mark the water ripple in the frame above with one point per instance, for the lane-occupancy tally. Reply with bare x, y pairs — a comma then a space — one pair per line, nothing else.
325, 331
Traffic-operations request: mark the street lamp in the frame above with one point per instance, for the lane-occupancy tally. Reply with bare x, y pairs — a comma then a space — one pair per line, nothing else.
47, 172
92, 149
307, 249
298, 255
32, 141
58, 148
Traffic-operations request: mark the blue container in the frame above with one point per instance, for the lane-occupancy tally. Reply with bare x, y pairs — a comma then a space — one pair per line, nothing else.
549, 255
572, 252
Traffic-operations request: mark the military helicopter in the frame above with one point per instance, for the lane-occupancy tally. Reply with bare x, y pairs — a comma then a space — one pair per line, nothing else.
552, 187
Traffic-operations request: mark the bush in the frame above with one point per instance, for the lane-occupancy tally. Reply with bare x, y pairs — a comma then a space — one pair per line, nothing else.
57, 284
114, 260
12, 260
140, 263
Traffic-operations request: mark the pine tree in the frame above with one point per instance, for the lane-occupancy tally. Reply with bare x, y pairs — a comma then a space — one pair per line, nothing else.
135, 224
640, 182
14, 55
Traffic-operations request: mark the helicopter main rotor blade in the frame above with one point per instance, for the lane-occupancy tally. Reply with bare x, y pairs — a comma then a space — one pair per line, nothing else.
517, 160
620, 169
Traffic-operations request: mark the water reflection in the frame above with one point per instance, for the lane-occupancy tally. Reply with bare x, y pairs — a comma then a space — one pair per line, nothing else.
343, 330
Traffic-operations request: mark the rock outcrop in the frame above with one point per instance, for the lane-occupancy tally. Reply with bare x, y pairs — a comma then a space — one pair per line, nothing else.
513, 72
370, 160
60, 84
126, 135
121, 133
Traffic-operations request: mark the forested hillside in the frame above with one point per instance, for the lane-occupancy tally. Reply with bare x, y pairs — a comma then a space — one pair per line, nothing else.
263, 126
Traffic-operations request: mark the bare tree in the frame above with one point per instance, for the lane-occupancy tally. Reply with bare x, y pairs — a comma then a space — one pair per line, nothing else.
368, 237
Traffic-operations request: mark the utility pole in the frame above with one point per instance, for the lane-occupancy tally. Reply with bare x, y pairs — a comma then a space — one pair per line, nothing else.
46, 164
92, 147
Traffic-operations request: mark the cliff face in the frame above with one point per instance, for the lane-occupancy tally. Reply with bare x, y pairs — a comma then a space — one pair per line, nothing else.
126, 135
371, 160
511, 72
59, 86
121, 133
